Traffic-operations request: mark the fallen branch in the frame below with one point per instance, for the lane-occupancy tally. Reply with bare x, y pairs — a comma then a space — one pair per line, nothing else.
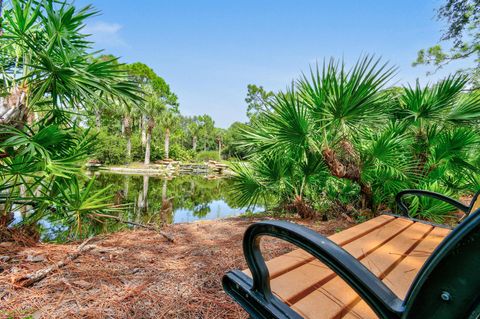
30, 279
149, 227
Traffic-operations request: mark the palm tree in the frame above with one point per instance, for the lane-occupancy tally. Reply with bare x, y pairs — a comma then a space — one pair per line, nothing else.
127, 130
154, 107
219, 139
157, 96
340, 127
431, 111
194, 130
47, 65
169, 121
322, 116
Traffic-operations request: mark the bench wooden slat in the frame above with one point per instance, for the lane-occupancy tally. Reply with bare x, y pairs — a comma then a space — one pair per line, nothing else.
301, 281
400, 278
335, 297
282, 264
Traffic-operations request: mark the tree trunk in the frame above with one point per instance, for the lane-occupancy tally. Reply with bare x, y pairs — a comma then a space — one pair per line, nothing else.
150, 124
13, 111
128, 134
147, 147
144, 130
194, 143
220, 149
421, 142
348, 169
167, 143
129, 148
98, 118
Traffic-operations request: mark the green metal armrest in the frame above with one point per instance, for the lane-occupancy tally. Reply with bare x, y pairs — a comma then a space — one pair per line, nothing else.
403, 207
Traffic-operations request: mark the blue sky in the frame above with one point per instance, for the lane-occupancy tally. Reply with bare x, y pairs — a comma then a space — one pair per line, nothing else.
208, 51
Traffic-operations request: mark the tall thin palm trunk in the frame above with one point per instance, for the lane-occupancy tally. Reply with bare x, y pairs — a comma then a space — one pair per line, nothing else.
167, 142
98, 118
194, 143
148, 142
129, 148
147, 147
128, 133
143, 124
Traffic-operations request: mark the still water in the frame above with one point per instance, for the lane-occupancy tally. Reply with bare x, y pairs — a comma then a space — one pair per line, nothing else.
175, 199
157, 200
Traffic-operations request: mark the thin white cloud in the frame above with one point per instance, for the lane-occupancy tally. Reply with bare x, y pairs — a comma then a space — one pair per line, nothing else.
105, 34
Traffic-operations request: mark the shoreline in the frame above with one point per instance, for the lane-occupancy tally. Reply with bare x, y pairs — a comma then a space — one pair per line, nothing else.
218, 169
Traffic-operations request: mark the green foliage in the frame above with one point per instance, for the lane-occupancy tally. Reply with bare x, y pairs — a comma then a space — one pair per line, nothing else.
179, 153
109, 148
338, 138
49, 73
429, 208
461, 36
141, 73
204, 156
258, 100
233, 134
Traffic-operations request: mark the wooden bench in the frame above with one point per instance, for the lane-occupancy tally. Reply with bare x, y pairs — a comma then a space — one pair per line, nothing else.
392, 249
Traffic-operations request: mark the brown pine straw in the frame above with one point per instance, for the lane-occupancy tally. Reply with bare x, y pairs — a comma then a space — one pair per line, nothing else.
137, 274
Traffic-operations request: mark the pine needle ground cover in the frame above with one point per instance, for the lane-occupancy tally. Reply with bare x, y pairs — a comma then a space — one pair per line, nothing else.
137, 274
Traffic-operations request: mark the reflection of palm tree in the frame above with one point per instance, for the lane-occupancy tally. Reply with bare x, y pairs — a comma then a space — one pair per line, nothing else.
169, 121
143, 196
164, 190
145, 190
166, 211
194, 130
125, 185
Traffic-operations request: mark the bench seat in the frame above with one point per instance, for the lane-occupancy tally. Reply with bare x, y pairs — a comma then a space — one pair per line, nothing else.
393, 248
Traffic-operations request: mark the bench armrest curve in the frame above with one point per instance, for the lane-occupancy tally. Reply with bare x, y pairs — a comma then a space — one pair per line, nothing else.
382, 300
418, 192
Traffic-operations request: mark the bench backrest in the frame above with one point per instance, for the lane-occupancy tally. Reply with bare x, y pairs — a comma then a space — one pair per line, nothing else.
448, 285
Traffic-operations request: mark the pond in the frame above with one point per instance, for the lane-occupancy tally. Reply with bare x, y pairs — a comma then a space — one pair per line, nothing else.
160, 200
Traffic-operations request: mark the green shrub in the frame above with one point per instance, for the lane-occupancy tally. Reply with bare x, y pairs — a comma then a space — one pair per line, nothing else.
110, 148
179, 153
138, 151
208, 155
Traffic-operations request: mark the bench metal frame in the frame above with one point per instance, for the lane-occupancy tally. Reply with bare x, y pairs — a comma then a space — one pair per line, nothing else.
440, 290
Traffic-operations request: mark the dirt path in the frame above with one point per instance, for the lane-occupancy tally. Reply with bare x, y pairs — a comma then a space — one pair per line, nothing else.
136, 274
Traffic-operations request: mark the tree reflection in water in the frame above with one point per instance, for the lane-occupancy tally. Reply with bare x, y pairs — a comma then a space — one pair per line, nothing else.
159, 200
166, 200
